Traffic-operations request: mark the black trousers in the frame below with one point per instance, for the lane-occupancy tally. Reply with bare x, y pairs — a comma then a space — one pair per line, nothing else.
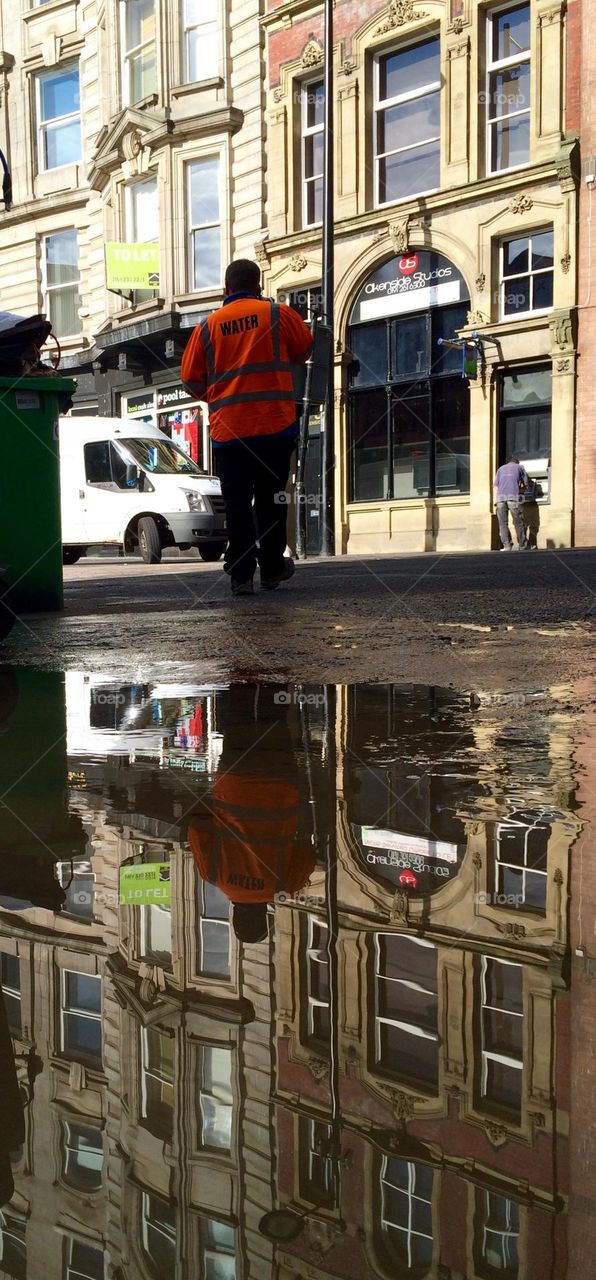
257, 469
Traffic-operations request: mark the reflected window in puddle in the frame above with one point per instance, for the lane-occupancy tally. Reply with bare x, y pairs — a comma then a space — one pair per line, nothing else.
521, 849
82, 1261
13, 1247
316, 1030
81, 1017
156, 934
10, 982
157, 1083
78, 882
316, 1169
159, 1236
215, 1097
501, 987
219, 1250
82, 1156
496, 1233
213, 931
406, 1214
406, 1003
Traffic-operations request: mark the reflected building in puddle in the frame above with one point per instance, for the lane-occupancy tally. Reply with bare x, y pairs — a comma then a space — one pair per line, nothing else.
390, 1064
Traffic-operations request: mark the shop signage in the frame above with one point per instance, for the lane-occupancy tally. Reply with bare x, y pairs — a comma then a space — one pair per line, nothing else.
412, 282
132, 266
172, 396
145, 883
413, 863
139, 404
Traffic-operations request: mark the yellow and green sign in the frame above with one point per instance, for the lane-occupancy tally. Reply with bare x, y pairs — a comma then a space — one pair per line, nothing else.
145, 883
132, 266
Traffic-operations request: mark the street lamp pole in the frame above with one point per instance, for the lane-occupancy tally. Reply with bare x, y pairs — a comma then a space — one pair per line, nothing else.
328, 452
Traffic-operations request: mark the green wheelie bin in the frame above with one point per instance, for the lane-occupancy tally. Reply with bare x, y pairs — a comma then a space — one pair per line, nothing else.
30, 533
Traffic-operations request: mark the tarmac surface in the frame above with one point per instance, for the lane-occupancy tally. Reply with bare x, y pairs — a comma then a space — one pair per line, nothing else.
500, 621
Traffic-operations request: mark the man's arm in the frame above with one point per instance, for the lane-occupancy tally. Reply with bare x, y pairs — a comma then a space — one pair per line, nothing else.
193, 370
297, 335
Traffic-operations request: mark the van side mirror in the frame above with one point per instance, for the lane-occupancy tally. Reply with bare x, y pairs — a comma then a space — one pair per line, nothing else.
133, 476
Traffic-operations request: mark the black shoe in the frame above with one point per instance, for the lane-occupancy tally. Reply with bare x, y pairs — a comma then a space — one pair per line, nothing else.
271, 584
242, 588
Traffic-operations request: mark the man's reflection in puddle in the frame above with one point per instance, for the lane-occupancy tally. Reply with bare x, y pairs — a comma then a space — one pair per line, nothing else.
246, 835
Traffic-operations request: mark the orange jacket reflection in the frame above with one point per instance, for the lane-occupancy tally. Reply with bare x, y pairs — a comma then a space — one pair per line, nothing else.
247, 843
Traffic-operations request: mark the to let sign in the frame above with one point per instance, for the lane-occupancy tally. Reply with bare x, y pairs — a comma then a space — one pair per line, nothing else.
144, 884
132, 266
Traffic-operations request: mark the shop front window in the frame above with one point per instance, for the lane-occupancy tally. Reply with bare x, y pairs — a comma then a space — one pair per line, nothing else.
409, 408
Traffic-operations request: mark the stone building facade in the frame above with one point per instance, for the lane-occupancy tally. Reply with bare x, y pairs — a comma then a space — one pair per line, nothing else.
129, 121
456, 211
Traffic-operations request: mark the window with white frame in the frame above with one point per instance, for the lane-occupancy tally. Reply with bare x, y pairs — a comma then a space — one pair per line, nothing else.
141, 217
159, 1234
13, 1244
406, 1212
313, 119
58, 117
215, 1096
508, 87
521, 848
201, 40
407, 122
78, 882
502, 1013
526, 283
407, 1040
218, 1249
496, 1235
81, 1017
157, 1083
317, 981
156, 934
204, 223
214, 931
10, 981
139, 51
61, 282
82, 1156
316, 1167
82, 1260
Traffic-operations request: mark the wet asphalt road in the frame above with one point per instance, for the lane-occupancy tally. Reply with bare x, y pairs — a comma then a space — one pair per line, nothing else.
447, 619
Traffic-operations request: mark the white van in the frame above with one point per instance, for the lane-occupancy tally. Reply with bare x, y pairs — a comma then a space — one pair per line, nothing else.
126, 484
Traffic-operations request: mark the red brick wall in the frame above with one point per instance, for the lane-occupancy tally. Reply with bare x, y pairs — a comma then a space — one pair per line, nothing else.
582, 115
348, 16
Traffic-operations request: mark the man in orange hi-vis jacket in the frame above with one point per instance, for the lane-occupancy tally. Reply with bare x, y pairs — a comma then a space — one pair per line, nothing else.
245, 834
239, 359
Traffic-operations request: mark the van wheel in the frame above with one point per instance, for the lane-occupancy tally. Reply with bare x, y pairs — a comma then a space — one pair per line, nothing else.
211, 551
149, 540
70, 555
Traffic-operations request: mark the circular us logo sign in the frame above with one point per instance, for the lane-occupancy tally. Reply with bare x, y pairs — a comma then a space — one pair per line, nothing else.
408, 264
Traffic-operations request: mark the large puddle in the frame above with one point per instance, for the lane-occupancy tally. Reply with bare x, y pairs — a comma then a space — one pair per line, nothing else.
294, 983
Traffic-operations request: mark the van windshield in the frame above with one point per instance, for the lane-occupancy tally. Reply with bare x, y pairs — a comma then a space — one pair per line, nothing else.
161, 458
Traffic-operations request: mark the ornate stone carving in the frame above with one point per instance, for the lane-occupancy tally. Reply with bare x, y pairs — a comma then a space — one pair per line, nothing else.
477, 860
132, 144
512, 930
148, 991
477, 317
562, 366
521, 204
558, 876
480, 282
298, 262
318, 1068
565, 263
380, 234
496, 1134
399, 232
312, 54
399, 906
402, 1104
458, 26
347, 67
568, 164
278, 94
261, 254
398, 13
561, 332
